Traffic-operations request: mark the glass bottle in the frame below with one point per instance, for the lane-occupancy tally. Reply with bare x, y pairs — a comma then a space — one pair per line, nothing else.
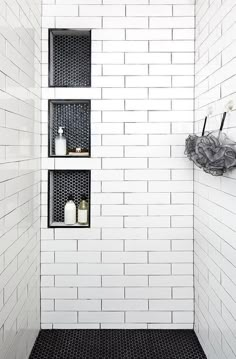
83, 211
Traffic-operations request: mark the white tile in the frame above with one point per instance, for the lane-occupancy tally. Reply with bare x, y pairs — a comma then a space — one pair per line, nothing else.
125, 22
148, 293
117, 93
60, 10
124, 210
78, 22
108, 34
77, 281
101, 293
125, 116
173, 281
150, 245
150, 34
150, 317
125, 46
124, 233
59, 317
149, 222
61, 293
100, 269
124, 257
125, 281
124, 305
101, 10
149, 10
53, 269
148, 269
100, 246
183, 10
172, 22
77, 305
101, 317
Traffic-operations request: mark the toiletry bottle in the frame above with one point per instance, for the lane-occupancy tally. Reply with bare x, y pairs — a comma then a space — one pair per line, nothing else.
83, 211
60, 143
70, 211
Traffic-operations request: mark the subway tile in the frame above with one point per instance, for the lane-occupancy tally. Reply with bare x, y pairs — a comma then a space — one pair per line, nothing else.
149, 10
59, 293
77, 22
148, 269
151, 317
101, 293
150, 293
125, 22
101, 317
125, 281
101, 10
149, 34
71, 305
59, 317
60, 10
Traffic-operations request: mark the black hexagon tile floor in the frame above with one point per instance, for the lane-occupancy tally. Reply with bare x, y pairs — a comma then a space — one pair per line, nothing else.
117, 344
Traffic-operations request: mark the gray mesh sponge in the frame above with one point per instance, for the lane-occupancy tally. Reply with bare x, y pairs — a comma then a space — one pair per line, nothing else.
215, 153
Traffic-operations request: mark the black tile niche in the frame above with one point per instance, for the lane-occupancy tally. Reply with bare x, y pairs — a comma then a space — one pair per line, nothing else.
62, 183
74, 116
69, 58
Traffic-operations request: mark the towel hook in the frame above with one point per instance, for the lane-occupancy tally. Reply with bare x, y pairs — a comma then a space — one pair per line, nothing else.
229, 106
209, 111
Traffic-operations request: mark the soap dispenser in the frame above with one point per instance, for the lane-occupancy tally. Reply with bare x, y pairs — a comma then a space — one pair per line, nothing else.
60, 143
83, 211
70, 211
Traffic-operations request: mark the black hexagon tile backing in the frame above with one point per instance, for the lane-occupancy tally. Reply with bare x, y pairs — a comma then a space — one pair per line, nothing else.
74, 116
70, 58
117, 344
64, 183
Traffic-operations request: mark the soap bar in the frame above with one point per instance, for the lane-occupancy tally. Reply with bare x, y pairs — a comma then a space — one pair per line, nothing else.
78, 154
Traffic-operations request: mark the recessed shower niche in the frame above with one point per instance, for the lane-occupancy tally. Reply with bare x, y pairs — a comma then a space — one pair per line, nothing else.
69, 58
74, 117
62, 184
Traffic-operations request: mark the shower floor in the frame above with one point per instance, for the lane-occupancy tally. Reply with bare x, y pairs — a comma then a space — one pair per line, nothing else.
117, 344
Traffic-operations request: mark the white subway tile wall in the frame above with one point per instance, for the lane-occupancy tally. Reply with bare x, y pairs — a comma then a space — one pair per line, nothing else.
134, 267
215, 197
20, 117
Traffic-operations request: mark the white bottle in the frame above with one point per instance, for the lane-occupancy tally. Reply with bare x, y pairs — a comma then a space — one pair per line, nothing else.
60, 143
70, 211
83, 211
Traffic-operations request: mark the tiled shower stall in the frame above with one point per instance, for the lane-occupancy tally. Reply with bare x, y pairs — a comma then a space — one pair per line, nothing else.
128, 80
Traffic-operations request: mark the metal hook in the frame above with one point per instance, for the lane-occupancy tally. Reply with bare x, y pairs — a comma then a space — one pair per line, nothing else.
209, 111
229, 106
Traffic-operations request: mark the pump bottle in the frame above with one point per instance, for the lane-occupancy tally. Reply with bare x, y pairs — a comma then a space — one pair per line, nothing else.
60, 143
